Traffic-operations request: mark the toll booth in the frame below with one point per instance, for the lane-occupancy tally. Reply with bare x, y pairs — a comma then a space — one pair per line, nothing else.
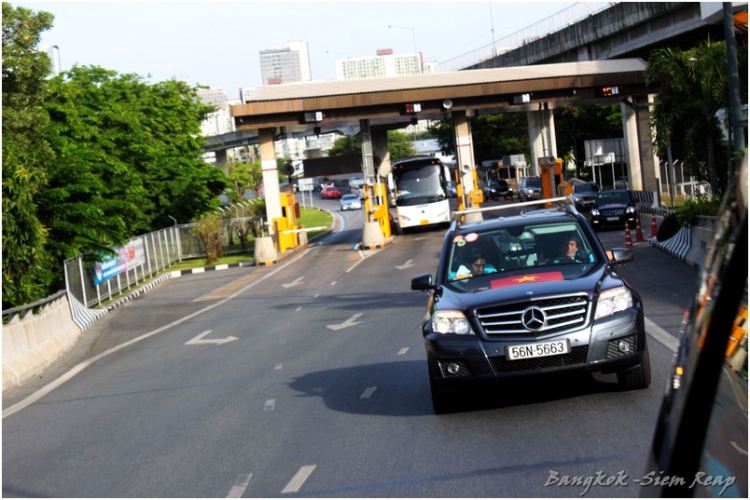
550, 170
286, 225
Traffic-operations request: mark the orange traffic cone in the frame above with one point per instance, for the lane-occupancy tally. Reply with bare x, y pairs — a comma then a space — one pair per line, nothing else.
638, 232
653, 225
628, 241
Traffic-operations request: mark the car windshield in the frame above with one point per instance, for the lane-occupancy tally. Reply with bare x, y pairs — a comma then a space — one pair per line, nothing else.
350, 197
519, 254
534, 183
585, 188
614, 197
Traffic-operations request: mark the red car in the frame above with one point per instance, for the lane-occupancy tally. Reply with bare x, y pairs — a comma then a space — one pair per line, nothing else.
331, 193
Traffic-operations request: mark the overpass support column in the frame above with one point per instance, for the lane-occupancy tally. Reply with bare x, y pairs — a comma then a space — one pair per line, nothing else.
270, 176
643, 171
541, 135
221, 158
464, 154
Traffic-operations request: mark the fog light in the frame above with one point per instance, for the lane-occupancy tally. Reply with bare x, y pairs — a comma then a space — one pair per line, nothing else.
453, 368
623, 346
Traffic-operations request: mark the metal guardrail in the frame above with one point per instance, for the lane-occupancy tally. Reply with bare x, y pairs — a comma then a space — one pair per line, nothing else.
561, 20
161, 249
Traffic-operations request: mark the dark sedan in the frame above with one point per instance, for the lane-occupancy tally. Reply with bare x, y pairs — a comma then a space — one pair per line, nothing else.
614, 208
497, 189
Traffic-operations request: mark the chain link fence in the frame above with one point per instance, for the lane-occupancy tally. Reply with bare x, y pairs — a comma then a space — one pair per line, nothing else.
93, 279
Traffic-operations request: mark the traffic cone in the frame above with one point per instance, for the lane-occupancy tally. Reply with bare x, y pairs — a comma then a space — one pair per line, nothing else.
638, 232
628, 241
653, 225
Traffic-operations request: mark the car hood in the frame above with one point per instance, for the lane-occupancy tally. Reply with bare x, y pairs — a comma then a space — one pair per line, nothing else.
613, 205
503, 288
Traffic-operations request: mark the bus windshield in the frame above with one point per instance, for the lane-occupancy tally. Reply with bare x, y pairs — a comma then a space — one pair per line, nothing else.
419, 184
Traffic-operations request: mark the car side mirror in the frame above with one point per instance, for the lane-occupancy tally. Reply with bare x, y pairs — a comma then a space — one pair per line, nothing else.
422, 282
621, 255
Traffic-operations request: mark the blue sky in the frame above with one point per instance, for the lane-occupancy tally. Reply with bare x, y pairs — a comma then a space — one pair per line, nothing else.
216, 44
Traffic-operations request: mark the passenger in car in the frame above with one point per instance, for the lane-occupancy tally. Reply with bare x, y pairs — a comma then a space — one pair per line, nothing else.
476, 266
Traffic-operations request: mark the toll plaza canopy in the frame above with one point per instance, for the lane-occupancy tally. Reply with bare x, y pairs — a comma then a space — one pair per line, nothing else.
388, 101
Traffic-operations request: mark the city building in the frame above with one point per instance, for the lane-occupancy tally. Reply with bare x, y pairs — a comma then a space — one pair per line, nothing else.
285, 64
384, 63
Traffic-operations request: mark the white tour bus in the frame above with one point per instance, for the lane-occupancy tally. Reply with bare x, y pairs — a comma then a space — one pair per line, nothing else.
421, 192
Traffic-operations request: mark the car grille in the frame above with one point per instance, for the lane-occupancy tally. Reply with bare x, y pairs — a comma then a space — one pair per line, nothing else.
561, 312
576, 356
612, 211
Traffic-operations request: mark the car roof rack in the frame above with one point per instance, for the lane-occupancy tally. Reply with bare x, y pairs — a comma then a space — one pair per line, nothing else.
563, 203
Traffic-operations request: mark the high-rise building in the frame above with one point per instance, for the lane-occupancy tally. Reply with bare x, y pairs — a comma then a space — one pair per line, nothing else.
54, 55
285, 64
385, 63
220, 121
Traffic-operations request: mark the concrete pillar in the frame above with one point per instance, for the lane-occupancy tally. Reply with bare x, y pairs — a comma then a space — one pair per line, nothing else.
542, 136
270, 176
643, 164
221, 158
464, 150
379, 139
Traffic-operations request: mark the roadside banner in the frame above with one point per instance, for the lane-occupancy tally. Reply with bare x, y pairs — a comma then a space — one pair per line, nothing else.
129, 257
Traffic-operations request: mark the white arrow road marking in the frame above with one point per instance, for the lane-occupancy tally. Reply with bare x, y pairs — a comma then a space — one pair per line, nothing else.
270, 405
409, 263
346, 324
403, 351
368, 392
239, 486
296, 282
278, 366
299, 479
199, 339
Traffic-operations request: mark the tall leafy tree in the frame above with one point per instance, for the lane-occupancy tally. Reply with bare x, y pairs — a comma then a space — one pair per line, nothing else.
128, 159
684, 113
27, 266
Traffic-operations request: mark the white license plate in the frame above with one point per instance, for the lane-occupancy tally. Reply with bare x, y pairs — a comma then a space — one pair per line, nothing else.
613, 218
537, 350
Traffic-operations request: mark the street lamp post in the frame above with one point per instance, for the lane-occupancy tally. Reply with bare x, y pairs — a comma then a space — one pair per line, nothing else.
413, 36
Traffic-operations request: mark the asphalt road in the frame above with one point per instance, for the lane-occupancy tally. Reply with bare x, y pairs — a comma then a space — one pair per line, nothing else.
309, 379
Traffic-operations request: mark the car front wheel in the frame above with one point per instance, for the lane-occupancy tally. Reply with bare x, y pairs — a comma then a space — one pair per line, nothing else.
638, 377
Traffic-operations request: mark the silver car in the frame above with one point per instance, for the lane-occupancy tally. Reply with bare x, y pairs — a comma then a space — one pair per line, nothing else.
350, 202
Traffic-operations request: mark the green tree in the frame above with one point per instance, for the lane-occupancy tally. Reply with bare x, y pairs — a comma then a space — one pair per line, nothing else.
399, 145
243, 178
493, 136
26, 153
575, 125
208, 229
684, 114
128, 158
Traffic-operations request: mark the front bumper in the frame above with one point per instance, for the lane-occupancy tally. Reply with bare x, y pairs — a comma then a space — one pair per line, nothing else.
460, 361
613, 220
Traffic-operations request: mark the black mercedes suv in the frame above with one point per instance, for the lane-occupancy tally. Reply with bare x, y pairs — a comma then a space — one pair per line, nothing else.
529, 296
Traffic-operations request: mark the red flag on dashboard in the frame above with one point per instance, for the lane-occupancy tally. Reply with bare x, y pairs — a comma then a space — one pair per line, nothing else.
527, 278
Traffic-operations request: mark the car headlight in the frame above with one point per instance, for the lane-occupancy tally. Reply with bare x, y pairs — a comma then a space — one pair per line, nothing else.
595, 211
612, 301
451, 322
630, 210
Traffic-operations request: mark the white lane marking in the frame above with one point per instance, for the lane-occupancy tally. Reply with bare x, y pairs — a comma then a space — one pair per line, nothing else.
409, 263
363, 257
403, 351
739, 450
199, 340
270, 405
296, 282
661, 335
368, 392
278, 366
299, 479
346, 324
333, 283
239, 486
298, 309
316, 295
33, 398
